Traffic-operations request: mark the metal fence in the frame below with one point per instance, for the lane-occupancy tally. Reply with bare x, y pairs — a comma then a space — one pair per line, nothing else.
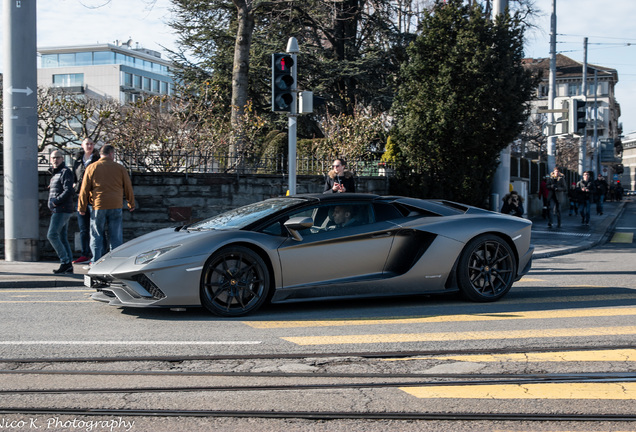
202, 163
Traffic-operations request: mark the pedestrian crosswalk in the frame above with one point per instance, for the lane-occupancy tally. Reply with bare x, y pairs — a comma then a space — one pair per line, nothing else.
537, 326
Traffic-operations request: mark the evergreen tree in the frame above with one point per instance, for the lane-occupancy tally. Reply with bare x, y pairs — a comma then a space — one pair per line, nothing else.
463, 97
350, 49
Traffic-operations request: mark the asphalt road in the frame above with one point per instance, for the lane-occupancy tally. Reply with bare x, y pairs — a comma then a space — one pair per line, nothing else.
573, 316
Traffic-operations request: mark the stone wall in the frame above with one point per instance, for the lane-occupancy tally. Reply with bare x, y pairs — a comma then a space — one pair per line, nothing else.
167, 199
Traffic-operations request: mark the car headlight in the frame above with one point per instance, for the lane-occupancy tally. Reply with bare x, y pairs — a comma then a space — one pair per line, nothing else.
146, 257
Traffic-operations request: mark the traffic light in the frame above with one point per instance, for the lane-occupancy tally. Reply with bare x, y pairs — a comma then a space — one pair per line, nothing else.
283, 82
577, 121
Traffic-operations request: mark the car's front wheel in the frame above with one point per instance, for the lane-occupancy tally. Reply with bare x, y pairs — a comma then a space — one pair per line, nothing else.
486, 269
234, 282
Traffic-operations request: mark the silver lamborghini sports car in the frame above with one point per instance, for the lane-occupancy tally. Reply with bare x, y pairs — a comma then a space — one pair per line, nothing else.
318, 246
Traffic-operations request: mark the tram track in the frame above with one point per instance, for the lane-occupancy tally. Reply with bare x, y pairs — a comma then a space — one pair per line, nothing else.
27, 381
328, 415
300, 355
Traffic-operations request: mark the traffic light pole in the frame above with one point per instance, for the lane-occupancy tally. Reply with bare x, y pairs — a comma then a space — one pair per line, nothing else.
292, 48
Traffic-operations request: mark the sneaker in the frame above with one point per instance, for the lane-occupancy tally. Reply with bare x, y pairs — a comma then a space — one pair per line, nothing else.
82, 260
66, 268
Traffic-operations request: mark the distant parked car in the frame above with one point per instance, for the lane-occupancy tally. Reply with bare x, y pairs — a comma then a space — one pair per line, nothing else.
318, 246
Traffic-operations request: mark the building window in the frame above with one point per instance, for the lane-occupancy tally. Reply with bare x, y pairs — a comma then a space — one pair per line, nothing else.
128, 79
574, 89
137, 81
164, 87
83, 58
68, 80
562, 90
49, 60
146, 84
103, 57
66, 59
155, 86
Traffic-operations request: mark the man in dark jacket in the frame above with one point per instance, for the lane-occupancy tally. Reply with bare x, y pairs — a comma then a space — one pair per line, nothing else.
601, 191
61, 205
86, 156
556, 187
585, 192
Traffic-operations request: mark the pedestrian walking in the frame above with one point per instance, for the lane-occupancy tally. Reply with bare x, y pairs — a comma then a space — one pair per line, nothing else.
574, 203
601, 187
556, 186
104, 187
61, 205
86, 156
543, 193
585, 192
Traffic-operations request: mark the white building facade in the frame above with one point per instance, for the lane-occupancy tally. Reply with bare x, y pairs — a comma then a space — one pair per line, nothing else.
118, 71
603, 129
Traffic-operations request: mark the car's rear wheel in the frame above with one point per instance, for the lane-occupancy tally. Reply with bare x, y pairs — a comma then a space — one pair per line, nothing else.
486, 269
234, 282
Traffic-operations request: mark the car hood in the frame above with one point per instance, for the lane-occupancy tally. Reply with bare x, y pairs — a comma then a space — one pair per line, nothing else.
158, 239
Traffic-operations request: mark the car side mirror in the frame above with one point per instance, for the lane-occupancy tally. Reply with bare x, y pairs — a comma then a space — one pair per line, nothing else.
296, 224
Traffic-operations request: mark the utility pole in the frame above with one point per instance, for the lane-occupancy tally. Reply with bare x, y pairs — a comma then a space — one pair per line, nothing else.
597, 152
501, 180
552, 87
583, 142
20, 115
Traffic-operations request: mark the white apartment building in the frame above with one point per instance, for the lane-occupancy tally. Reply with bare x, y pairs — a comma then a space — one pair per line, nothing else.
628, 178
120, 70
603, 111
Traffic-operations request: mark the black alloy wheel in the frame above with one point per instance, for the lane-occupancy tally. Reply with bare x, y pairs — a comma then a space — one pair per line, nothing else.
487, 269
234, 282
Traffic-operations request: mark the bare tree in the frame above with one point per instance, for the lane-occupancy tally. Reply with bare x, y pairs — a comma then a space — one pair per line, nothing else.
65, 118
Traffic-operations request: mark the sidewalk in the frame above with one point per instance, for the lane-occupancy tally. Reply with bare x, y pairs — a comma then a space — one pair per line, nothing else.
574, 236
571, 237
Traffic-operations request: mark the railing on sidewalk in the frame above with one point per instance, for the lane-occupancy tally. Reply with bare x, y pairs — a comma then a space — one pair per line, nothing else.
206, 162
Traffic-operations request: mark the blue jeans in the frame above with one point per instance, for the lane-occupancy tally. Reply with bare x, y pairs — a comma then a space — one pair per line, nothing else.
84, 223
584, 210
99, 220
58, 236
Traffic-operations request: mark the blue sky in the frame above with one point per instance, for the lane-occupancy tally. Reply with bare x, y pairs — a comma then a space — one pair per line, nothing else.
608, 25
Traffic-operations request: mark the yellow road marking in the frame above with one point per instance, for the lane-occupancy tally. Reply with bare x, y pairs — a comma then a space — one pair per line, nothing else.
621, 390
619, 355
623, 237
570, 313
459, 336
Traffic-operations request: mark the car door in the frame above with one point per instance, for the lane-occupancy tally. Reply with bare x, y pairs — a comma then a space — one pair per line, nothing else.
335, 257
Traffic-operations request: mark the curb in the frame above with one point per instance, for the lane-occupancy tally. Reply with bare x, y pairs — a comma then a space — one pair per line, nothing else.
604, 230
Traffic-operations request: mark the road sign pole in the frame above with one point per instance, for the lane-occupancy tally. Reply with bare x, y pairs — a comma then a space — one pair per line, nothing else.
20, 115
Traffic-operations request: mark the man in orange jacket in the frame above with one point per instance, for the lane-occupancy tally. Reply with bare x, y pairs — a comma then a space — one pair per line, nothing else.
104, 186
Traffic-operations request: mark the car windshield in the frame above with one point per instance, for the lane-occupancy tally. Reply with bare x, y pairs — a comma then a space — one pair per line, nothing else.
243, 216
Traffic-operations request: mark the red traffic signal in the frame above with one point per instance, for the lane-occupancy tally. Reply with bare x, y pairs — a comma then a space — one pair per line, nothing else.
283, 82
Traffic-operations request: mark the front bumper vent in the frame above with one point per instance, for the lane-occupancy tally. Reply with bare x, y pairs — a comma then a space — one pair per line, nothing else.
149, 286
